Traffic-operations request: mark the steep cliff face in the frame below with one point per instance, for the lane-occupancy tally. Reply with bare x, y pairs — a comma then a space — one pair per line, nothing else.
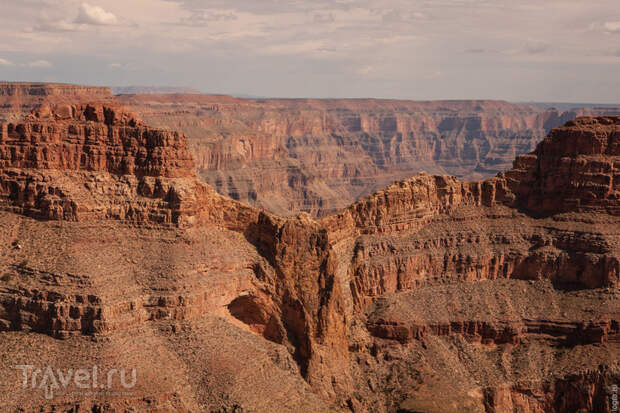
127, 244
431, 295
575, 169
18, 99
522, 264
318, 156
78, 161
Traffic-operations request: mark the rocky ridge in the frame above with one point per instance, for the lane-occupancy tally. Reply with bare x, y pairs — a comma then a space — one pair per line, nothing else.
523, 262
18, 99
318, 156
431, 295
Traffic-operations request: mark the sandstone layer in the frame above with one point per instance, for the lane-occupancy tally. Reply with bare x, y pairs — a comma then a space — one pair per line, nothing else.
318, 156
432, 295
18, 99
492, 296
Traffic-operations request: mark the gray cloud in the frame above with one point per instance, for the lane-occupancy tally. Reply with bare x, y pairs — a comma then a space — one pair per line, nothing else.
323, 18
40, 64
419, 49
204, 17
55, 26
401, 16
478, 51
536, 48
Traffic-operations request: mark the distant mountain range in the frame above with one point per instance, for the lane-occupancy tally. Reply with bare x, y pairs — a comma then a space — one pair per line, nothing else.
151, 90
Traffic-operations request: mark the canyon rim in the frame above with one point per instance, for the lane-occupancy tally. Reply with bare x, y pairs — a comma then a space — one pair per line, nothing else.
292, 206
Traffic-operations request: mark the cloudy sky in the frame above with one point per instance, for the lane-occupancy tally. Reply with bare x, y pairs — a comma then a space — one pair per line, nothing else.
519, 50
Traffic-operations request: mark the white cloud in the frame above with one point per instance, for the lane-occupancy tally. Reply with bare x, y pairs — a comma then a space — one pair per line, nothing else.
55, 26
40, 64
612, 27
95, 15
4, 62
204, 17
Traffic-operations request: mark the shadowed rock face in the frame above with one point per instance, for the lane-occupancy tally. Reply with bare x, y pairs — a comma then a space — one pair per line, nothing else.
431, 295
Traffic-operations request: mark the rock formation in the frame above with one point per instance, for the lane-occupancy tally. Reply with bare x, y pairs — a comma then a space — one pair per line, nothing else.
318, 156
464, 285
18, 99
431, 295
108, 236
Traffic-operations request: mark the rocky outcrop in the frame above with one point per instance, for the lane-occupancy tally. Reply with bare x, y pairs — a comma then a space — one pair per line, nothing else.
94, 138
301, 301
78, 162
431, 295
318, 156
470, 230
577, 168
19, 99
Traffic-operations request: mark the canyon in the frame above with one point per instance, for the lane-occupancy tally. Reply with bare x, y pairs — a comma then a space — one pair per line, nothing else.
318, 156
432, 294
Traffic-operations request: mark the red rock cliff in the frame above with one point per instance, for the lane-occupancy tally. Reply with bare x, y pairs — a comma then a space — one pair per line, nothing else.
527, 261
318, 156
431, 295
18, 99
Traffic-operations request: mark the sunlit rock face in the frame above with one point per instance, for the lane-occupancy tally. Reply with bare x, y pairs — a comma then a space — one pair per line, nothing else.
432, 295
318, 156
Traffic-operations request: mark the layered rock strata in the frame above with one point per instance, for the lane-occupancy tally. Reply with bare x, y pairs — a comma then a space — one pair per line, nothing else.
432, 295
18, 99
318, 156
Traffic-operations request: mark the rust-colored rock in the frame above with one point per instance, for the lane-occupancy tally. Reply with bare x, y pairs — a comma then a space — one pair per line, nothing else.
18, 99
431, 295
318, 156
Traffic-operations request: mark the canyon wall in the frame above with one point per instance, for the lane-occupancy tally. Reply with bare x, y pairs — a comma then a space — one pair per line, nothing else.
318, 156
431, 295
460, 286
18, 99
